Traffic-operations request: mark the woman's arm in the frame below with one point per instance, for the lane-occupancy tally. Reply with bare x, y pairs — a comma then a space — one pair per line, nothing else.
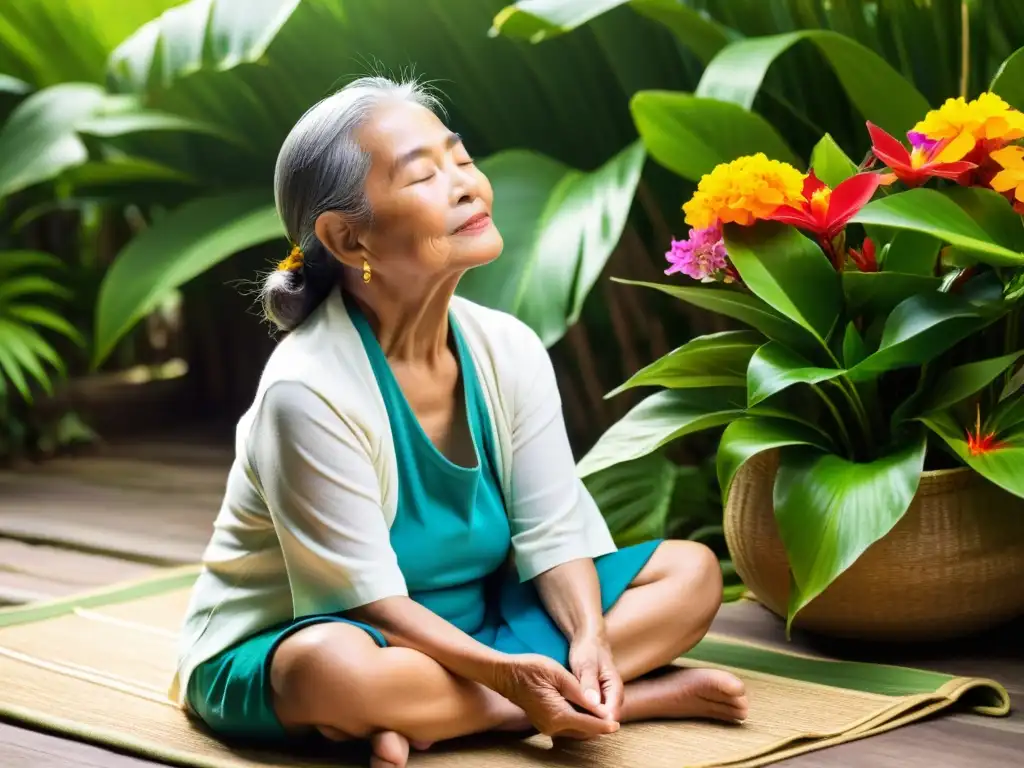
407, 624
553, 517
571, 593
557, 527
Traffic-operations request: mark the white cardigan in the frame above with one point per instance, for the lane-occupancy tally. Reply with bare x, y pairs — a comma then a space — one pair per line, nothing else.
313, 490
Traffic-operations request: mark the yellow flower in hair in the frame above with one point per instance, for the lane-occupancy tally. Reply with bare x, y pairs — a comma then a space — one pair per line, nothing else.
293, 261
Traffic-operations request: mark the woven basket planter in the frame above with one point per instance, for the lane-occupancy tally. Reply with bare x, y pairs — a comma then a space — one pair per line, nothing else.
952, 566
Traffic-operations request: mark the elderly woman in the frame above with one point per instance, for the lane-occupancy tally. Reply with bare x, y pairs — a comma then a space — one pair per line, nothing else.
405, 553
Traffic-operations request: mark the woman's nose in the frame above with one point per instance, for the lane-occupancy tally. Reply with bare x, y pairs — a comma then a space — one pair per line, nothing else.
463, 186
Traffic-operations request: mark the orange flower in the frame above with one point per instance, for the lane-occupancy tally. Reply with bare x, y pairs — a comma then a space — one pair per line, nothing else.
1010, 180
743, 191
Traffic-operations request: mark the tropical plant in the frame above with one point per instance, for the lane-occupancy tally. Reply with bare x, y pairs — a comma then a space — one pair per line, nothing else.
27, 301
857, 354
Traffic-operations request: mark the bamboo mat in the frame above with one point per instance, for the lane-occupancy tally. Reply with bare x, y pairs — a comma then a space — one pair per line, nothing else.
96, 667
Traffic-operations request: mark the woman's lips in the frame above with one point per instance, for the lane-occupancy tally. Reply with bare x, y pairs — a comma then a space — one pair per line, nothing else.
474, 224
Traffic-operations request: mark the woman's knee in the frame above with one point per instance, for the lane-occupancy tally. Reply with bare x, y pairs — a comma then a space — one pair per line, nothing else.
696, 575
319, 676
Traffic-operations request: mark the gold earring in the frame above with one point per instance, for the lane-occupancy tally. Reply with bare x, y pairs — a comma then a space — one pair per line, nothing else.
366, 271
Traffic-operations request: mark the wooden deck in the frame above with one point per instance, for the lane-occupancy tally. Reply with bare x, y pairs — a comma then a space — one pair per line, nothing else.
77, 523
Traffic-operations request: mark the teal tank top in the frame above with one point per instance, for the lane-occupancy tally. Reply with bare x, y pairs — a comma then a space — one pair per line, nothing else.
451, 531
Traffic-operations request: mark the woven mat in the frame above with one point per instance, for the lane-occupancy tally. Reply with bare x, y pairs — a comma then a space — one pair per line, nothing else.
96, 667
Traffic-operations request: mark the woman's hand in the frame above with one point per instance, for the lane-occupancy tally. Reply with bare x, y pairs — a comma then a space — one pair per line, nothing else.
546, 692
590, 659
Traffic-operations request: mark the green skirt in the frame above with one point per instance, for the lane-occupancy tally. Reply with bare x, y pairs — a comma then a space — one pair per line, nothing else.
231, 692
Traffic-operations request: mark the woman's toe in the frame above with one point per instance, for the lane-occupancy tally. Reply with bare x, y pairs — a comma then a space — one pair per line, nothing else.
390, 750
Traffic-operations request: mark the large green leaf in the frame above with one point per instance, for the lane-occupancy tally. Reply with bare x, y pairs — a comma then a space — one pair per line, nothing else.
878, 91
691, 135
172, 45
775, 367
537, 20
910, 252
1008, 415
715, 360
933, 213
830, 163
560, 226
745, 438
789, 272
180, 246
739, 306
1009, 80
1002, 465
13, 85
131, 120
696, 32
635, 497
993, 213
963, 381
918, 330
830, 510
46, 42
38, 141
658, 420
878, 293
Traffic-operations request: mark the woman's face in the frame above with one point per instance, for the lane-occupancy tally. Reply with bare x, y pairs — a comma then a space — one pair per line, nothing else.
431, 204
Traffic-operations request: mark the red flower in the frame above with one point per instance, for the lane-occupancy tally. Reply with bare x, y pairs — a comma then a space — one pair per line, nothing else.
826, 211
865, 258
979, 444
914, 168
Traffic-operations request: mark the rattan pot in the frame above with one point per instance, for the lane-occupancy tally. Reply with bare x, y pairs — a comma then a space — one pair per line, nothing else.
952, 566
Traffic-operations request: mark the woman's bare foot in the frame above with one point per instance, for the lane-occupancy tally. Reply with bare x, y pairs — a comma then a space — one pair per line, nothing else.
390, 750
686, 693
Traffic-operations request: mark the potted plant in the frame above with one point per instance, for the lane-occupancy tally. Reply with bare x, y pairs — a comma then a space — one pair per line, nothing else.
872, 461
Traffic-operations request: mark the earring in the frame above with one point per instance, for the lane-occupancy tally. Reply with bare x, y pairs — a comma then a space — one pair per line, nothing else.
366, 271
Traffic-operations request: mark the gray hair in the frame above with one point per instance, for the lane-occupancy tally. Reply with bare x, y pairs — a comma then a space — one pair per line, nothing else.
322, 168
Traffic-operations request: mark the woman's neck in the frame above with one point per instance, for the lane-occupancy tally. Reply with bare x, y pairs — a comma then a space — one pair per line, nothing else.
411, 323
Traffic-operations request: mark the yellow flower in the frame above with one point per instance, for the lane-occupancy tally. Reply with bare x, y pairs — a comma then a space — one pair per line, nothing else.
1012, 176
743, 191
964, 123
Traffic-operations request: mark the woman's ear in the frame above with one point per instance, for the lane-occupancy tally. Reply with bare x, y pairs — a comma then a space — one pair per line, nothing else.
340, 238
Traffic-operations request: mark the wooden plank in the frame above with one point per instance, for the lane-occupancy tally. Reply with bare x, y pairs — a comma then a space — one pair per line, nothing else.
156, 526
35, 572
22, 748
151, 501
932, 744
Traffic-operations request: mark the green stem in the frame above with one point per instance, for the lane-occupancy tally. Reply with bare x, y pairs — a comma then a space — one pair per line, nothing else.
853, 398
838, 417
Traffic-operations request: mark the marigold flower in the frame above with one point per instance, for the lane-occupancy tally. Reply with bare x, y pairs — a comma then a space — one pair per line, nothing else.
743, 191
702, 256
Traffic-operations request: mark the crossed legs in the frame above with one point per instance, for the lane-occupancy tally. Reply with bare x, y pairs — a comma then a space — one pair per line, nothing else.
333, 677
